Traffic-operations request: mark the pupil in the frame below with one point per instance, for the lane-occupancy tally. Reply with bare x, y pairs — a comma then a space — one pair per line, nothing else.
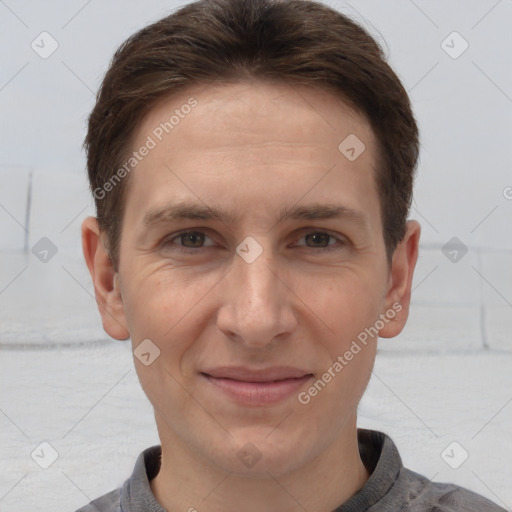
196, 239
320, 237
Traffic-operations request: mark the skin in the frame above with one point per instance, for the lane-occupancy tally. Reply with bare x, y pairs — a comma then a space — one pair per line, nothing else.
252, 149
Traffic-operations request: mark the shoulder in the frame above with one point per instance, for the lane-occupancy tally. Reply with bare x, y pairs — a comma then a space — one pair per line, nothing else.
110, 502
427, 496
135, 490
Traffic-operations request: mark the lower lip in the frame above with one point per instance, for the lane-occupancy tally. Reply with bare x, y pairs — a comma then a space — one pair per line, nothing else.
258, 392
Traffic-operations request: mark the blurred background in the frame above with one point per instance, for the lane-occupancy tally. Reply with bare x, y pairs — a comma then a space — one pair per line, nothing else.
72, 416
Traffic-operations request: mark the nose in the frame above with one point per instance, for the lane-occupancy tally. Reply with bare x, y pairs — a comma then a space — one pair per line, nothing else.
257, 302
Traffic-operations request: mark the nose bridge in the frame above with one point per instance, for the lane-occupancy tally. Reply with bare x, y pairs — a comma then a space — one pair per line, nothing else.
257, 275
255, 307
256, 289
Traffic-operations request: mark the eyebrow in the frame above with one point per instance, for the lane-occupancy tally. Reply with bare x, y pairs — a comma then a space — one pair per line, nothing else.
183, 211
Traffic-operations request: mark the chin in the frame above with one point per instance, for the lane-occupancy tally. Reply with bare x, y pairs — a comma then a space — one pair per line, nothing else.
257, 456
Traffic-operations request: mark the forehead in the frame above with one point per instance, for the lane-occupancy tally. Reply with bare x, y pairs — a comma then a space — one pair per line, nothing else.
225, 141
253, 111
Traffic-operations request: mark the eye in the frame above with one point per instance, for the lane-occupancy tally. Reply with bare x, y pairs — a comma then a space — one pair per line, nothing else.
321, 240
192, 241
187, 241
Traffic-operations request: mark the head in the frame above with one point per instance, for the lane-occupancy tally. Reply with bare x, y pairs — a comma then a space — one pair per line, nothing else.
252, 166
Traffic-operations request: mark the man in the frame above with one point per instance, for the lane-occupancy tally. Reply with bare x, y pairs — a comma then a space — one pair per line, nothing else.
252, 164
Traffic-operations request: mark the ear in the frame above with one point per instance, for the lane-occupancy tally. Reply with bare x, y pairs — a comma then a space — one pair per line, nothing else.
106, 286
398, 296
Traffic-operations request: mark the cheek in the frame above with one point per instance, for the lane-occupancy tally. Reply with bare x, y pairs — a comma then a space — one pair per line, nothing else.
345, 303
347, 350
350, 305
164, 308
169, 310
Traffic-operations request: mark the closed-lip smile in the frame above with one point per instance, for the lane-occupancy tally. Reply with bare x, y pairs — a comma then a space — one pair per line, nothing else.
257, 386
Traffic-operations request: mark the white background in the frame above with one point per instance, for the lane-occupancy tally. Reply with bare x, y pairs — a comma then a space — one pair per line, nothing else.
446, 378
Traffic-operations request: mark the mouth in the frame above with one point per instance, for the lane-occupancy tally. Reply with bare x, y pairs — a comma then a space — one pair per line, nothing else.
257, 387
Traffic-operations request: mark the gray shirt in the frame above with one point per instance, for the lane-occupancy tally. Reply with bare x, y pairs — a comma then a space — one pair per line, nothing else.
390, 488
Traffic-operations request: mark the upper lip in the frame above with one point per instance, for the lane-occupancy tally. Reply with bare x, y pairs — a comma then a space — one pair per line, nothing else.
256, 375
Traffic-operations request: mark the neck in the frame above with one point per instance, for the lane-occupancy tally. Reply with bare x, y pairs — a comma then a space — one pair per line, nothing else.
187, 481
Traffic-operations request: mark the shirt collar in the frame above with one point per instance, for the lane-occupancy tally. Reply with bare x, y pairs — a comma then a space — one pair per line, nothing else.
378, 453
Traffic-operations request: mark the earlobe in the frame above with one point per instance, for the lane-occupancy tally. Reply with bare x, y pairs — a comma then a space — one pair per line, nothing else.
398, 296
105, 280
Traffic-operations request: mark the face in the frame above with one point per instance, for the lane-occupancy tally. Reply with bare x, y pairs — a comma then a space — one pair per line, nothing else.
252, 257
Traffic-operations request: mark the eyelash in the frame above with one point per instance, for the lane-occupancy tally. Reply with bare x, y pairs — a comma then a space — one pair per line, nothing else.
189, 250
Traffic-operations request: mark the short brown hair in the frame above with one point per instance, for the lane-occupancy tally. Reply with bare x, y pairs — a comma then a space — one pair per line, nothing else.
294, 41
